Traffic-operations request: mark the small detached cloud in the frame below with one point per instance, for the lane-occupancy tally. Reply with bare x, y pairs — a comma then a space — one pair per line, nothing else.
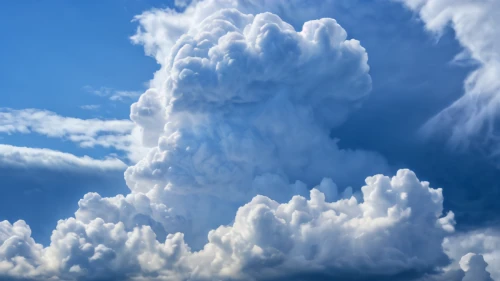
113, 94
90, 107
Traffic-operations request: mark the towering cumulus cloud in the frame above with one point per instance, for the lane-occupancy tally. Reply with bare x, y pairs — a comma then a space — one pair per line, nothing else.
243, 180
244, 107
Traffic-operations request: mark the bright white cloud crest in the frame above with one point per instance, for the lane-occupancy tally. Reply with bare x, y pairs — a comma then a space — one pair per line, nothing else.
238, 118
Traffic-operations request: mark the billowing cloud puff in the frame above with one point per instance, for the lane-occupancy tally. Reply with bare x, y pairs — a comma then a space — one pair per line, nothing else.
160, 28
379, 235
469, 122
244, 106
20, 256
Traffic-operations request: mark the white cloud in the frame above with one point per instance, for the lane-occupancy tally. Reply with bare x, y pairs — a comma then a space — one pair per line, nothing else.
382, 235
474, 117
13, 156
112, 94
241, 110
118, 134
90, 106
245, 100
485, 242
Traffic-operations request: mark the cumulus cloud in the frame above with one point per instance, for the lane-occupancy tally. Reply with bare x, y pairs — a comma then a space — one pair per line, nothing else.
470, 122
119, 134
243, 101
380, 235
484, 242
160, 28
239, 119
472, 119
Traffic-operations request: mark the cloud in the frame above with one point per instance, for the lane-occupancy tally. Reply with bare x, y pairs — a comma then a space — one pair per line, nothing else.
90, 106
475, 268
245, 100
12, 156
485, 242
378, 236
112, 94
471, 121
245, 108
118, 134
239, 118
42, 185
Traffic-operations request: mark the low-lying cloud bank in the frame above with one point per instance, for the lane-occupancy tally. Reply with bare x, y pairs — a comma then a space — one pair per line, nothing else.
239, 119
396, 227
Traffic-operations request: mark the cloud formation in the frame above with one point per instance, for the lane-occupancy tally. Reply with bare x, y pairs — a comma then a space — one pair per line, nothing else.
112, 94
239, 119
485, 242
471, 121
475, 268
18, 157
243, 101
377, 236
118, 134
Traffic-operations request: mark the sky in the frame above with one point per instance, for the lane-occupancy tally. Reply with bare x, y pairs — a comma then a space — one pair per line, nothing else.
250, 140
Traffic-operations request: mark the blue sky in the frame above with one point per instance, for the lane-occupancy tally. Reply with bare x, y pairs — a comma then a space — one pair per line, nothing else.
54, 50
124, 122
51, 53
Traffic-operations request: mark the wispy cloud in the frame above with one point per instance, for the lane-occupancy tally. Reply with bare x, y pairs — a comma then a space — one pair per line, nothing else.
113, 94
117, 134
14, 156
90, 106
